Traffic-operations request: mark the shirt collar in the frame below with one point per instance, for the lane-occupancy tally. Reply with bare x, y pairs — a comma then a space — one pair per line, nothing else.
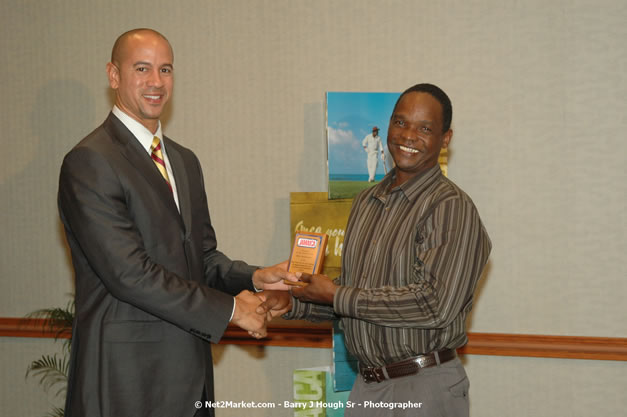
143, 135
410, 188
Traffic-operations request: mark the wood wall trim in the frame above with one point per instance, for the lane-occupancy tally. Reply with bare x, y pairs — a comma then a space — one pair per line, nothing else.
546, 346
22, 327
496, 344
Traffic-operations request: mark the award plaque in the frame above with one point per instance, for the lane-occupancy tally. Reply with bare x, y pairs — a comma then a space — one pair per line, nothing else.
307, 254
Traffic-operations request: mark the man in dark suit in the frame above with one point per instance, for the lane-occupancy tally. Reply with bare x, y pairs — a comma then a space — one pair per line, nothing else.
152, 290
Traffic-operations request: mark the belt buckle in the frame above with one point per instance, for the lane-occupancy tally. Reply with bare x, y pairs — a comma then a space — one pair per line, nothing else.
424, 361
370, 375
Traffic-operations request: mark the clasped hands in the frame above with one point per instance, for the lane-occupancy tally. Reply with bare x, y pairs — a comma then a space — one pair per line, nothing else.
248, 315
275, 301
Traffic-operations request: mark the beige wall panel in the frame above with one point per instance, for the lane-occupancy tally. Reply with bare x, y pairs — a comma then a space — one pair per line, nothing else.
532, 387
538, 92
20, 396
539, 117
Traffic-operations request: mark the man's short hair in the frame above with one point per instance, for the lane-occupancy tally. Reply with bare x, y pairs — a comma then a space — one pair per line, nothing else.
117, 46
439, 95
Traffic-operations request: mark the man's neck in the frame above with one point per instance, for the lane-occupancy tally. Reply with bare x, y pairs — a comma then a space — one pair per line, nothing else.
151, 124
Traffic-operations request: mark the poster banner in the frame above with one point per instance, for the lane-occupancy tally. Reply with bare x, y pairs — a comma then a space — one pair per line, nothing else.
345, 365
357, 125
314, 395
314, 212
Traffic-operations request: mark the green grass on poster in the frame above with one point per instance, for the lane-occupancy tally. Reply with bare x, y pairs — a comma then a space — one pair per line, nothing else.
347, 189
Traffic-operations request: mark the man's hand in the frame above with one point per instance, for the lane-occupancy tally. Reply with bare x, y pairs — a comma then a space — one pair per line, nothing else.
271, 278
246, 316
275, 303
320, 289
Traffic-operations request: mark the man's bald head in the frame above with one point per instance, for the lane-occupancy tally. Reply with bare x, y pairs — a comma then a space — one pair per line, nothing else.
119, 47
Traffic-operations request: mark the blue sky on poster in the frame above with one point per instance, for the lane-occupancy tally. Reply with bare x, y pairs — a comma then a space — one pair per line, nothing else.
350, 117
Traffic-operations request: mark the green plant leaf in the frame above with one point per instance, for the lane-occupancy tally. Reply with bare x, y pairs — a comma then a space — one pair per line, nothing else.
52, 371
57, 318
56, 412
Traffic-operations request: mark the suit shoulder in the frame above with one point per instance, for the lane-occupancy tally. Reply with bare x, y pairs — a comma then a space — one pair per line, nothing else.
172, 144
99, 145
98, 139
188, 156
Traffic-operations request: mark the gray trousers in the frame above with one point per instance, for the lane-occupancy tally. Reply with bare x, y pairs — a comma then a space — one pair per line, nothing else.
439, 391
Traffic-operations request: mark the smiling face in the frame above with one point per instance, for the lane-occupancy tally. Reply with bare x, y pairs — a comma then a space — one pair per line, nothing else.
142, 77
415, 135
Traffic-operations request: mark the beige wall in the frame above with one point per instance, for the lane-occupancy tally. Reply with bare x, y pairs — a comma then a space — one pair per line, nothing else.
538, 90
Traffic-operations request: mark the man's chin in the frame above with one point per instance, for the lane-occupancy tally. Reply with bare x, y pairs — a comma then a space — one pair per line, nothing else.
153, 114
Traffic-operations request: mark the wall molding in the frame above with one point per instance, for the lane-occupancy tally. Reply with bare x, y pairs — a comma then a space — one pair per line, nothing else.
496, 344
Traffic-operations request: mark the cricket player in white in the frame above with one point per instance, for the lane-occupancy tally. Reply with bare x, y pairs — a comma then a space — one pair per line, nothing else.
372, 144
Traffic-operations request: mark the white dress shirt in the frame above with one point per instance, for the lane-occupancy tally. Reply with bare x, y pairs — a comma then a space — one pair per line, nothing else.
145, 136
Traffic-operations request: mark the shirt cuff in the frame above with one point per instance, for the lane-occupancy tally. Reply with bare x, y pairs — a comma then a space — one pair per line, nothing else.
233, 311
253, 282
299, 310
345, 301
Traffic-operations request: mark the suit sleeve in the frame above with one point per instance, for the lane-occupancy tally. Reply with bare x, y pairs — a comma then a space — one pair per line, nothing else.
93, 205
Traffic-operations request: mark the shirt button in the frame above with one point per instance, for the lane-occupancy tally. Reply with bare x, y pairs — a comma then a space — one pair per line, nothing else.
387, 209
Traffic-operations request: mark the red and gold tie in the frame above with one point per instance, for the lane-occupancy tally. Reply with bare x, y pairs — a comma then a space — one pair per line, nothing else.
157, 157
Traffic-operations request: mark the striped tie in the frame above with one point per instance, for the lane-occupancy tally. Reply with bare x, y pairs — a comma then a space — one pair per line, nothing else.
157, 157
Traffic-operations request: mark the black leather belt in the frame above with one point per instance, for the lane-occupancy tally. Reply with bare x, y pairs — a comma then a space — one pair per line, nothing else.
407, 367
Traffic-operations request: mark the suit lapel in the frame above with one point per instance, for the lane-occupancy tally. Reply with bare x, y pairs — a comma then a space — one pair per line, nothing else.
137, 156
182, 183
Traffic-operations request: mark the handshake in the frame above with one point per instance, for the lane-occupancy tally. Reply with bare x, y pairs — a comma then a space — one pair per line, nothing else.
253, 311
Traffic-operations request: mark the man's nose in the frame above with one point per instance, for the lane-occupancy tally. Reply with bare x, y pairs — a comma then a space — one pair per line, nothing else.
155, 79
409, 134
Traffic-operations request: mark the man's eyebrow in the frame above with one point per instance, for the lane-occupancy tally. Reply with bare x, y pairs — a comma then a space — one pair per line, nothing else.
402, 116
148, 64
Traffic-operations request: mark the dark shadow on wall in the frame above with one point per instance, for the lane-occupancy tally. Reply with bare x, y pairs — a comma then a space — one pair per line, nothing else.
62, 113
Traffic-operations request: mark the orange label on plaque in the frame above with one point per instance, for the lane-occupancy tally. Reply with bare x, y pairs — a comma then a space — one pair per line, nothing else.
308, 253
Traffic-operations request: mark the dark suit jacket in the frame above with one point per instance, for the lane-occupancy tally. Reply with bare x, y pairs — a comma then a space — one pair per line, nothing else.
151, 287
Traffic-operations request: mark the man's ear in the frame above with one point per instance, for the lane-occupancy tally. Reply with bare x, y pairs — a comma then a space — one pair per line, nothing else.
114, 75
447, 138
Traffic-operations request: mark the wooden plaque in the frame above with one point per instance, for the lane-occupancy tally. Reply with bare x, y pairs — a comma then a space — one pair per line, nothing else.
307, 254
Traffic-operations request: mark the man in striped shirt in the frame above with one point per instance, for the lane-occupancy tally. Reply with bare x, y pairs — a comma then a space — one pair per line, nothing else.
413, 252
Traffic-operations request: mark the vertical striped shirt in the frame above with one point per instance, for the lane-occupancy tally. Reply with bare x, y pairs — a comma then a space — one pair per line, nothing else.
411, 260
